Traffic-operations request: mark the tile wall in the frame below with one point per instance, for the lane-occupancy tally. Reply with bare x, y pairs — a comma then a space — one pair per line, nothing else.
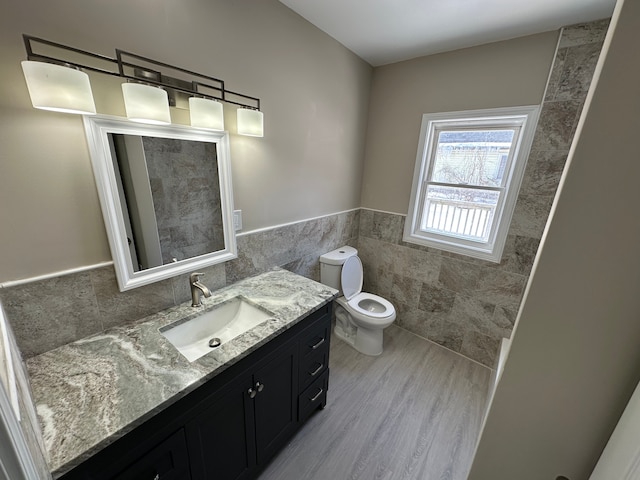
465, 304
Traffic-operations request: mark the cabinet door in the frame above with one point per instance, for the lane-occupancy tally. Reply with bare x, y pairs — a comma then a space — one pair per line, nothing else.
276, 408
221, 437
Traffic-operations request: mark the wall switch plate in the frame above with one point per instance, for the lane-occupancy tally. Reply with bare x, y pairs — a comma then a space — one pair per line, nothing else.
237, 220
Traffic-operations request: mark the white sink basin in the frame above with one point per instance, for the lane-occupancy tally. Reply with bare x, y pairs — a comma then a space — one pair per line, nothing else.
202, 334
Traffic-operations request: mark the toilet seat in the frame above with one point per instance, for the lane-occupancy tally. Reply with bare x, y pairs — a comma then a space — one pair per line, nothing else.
371, 307
363, 303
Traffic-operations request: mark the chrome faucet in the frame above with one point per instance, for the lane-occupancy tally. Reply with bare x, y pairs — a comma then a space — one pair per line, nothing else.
197, 288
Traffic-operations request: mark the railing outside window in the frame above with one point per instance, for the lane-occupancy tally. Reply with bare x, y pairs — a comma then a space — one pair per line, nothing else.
452, 217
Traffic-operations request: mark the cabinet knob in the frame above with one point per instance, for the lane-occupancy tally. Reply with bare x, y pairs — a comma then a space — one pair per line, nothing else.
157, 477
259, 386
252, 393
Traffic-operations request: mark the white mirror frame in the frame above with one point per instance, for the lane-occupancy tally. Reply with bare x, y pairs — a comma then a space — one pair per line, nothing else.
97, 130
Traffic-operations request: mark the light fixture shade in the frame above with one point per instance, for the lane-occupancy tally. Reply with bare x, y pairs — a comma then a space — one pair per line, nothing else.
58, 88
206, 113
250, 122
146, 104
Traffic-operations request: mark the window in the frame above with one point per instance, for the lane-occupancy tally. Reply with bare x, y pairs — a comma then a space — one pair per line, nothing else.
468, 171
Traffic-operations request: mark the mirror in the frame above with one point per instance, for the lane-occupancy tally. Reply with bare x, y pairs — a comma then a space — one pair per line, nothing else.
166, 197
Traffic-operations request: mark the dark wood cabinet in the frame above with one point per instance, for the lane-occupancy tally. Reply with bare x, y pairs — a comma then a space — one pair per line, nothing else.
230, 427
222, 435
247, 421
276, 402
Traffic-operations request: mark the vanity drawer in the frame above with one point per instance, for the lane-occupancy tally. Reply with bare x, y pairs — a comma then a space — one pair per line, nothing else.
167, 461
313, 397
316, 337
313, 366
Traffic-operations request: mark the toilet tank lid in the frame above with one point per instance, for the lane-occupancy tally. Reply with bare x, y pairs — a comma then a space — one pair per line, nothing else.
338, 256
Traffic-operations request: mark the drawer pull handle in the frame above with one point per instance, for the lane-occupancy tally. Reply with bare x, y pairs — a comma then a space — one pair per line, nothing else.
317, 370
318, 344
317, 395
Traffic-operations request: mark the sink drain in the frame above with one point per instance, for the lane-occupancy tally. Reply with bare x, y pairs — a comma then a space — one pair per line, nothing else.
214, 342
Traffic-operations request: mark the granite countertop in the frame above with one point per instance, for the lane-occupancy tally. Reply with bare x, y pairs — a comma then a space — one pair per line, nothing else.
91, 392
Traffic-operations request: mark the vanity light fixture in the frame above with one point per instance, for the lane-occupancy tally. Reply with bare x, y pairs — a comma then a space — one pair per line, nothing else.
250, 122
206, 113
146, 104
58, 88
151, 87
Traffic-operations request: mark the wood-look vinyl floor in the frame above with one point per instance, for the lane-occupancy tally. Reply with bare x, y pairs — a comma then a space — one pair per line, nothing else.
412, 413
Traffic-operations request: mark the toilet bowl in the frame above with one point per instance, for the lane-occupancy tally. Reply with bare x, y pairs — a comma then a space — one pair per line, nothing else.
360, 317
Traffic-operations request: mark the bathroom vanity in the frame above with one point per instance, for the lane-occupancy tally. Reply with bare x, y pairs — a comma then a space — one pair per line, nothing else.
126, 405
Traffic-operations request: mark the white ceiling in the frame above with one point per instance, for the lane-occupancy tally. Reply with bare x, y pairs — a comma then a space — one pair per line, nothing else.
387, 31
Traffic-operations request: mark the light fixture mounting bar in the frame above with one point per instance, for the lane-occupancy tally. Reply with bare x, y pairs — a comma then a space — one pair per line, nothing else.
138, 68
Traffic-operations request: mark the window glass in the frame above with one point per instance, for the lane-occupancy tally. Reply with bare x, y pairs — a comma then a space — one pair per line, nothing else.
472, 157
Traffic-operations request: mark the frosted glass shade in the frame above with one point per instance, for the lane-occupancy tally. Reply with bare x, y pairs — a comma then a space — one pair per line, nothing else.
250, 122
58, 88
146, 104
206, 113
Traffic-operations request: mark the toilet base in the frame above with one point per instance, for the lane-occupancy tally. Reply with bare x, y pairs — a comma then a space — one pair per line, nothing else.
365, 341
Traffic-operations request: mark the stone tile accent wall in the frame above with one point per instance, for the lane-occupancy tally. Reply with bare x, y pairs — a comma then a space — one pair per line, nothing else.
466, 304
49, 313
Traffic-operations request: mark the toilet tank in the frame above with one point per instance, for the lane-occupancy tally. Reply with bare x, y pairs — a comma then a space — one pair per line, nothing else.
331, 265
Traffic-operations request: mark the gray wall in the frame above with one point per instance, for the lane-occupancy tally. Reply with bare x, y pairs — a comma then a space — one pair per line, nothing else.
574, 358
314, 96
466, 304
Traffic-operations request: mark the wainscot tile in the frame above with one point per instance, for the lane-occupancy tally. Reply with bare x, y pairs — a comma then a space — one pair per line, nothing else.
50, 313
434, 299
436, 327
387, 227
476, 315
481, 348
405, 290
458, 276
366, 223
308, 266
518, 254
530, 215
500, 287
417, 264
117, 308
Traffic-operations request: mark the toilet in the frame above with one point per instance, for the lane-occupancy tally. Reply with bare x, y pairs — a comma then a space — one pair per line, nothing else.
360, 317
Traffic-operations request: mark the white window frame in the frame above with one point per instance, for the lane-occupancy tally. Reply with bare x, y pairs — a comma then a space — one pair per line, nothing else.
525, 118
